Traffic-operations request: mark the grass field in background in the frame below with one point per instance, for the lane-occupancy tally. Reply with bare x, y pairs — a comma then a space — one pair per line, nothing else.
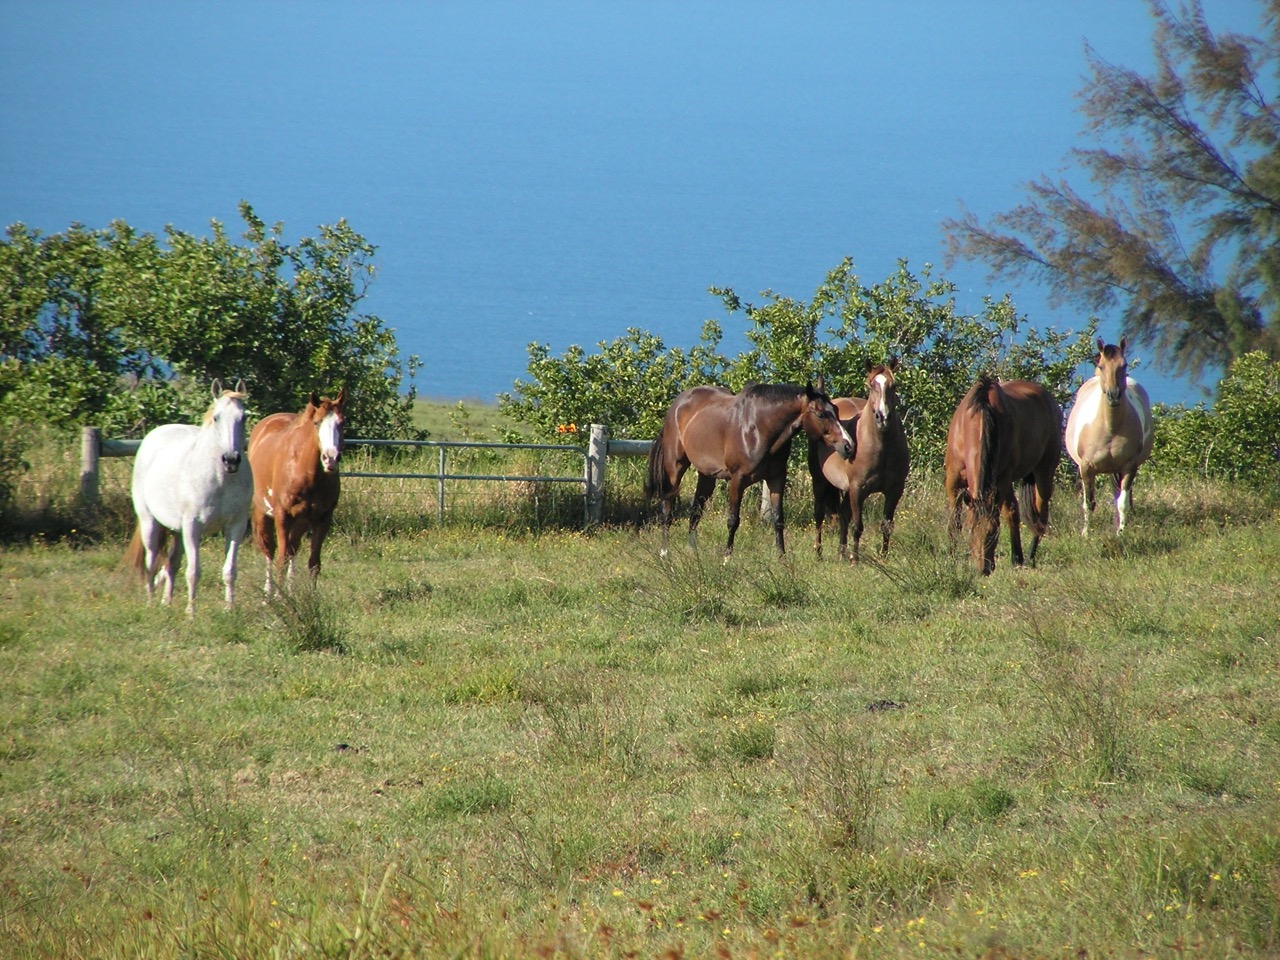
525, 740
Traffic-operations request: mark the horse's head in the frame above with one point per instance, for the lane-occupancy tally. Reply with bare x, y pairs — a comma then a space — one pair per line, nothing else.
227, 417
882, 391
326, 415
821, 420
1113, 371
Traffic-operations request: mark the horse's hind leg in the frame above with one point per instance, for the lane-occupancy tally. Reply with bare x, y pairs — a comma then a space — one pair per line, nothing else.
169, 571
1039, 490
776, 487
1012, 518
701, 494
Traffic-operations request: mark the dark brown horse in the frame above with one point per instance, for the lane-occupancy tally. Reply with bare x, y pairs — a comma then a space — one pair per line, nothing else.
879, 465
1002, 434
743, 438
295, 482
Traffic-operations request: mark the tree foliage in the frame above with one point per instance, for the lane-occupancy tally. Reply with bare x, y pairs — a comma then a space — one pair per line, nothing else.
114, 328
631, 381
1181, 231
1237, 438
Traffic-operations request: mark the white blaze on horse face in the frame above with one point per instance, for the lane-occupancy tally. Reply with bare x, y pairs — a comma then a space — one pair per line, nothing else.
881, 404
228, 416
329, 431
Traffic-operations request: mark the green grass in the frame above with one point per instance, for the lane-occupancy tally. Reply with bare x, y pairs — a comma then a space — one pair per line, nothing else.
518, 742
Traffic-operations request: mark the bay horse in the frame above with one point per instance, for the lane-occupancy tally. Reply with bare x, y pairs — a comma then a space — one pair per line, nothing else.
743, 438
188, 481
879, 464
296, 482
1001, 434
1110, 430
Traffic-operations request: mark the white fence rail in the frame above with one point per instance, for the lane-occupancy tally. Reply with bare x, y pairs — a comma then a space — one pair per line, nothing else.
93, 447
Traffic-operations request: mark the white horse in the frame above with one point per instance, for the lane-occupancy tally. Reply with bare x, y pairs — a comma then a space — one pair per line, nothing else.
189, 481
1110, 430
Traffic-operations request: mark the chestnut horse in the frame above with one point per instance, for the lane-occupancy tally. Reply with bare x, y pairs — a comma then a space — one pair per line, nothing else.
295, 482
743, 438
1002, 433
879, 465
187, 482
1110, 430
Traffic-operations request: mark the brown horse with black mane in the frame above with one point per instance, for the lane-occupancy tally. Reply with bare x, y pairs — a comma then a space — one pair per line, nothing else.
1002, 433
744, 438
879, 464
295, 481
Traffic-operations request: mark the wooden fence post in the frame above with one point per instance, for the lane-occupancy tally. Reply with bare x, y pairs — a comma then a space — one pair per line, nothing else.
90, 451
597, 457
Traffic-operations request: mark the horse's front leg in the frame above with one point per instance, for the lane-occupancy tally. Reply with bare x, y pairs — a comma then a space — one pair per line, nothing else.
1012, 518
191, 531
1089, 503
857, 497
319, 530
891, 498
1124, 498
234, 534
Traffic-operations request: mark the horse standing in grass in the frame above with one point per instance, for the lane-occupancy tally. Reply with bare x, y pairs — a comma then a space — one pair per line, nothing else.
1002, 434
744, 438
188, 481
296, 482
1110, 430
879, 464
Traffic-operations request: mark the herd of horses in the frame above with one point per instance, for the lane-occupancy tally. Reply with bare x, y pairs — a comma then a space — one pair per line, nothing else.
189, 481
1004, 445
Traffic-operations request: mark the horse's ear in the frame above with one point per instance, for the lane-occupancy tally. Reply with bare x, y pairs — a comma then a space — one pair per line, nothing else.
240, 387
893, 364
819, 385
314, 399
870, 364
341, 398
217, 388
1102, 345
1123, 342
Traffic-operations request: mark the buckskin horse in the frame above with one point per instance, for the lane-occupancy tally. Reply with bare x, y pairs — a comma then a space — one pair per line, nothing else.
743, 438
296, 482
879, 464
188, 482
1002, 433
1110, 430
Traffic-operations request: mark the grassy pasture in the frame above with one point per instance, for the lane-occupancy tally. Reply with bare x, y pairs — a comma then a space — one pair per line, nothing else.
509, 738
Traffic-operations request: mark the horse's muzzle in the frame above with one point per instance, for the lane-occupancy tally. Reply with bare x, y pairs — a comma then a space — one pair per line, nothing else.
231, 462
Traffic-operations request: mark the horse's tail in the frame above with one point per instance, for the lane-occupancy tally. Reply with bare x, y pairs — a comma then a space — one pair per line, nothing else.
1027, 502
134, 559
989, 448
655, 481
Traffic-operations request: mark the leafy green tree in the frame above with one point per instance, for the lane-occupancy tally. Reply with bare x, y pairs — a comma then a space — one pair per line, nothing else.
115, 328
1237, 439
628, 384
1181, 231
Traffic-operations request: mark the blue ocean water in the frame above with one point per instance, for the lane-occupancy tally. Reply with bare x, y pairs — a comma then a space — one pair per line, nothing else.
562, 170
